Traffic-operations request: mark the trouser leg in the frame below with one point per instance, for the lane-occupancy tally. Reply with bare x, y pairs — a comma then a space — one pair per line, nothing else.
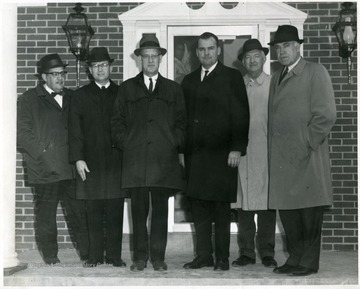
312, 221
75, 212
46, 203
303, 235
266, 222
222, 220
292, 223
247, 230
203, 217
95, 217
159, 223
139, 213
114, 212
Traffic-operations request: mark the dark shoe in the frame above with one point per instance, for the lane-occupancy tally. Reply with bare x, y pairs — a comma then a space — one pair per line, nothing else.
221, 265
269, 261
159, 266
51, 260
302, 271
138, 266
116, 263
243, 261
92, 263
199, 262
284, 269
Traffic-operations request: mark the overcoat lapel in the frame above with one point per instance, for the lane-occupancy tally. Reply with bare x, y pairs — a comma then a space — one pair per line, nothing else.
41, 91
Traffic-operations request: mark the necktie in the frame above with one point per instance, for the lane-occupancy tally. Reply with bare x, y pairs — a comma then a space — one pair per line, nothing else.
283, 74
206, 74
103, 88
150, 85
53, 94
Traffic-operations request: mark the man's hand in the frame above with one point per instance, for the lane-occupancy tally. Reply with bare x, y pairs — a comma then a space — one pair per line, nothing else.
81, 168
182, 160
234, 159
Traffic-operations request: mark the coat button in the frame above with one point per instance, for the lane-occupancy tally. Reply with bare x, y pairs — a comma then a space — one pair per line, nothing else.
196, 120
149, 142
150, 120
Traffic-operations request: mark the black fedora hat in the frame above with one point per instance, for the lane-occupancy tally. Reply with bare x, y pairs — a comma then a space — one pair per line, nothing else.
50, 61
149, 41
286, 33
98, 54
252, 44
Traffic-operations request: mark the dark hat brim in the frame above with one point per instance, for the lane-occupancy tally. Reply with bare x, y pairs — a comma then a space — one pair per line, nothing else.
264, 49
272, 43
137, 51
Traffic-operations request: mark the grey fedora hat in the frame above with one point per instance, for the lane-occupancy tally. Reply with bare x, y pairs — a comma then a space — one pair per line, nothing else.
149, 41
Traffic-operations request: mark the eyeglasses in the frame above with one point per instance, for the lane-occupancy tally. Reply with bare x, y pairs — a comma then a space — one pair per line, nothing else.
102, 65
57, 74
148, 57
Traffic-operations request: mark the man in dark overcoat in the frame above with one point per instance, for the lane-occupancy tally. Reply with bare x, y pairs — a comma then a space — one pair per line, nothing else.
98, 162
42, 132
149, 126
217, 136
301, 114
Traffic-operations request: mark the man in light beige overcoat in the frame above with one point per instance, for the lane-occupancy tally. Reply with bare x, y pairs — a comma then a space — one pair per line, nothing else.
253, 169
301, 115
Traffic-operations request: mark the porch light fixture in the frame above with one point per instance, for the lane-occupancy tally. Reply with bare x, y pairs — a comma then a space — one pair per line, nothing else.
78, 33
345, 31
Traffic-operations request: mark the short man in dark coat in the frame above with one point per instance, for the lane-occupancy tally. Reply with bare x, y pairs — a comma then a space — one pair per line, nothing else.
149, 126
217, 136
42, 132
98, 162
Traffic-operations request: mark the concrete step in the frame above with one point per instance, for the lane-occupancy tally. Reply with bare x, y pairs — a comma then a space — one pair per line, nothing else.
336, 268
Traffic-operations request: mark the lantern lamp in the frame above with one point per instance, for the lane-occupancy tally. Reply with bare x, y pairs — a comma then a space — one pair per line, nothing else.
346, 32
78, 33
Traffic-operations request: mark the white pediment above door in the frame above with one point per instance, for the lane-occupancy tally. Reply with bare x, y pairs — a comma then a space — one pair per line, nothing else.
212, 13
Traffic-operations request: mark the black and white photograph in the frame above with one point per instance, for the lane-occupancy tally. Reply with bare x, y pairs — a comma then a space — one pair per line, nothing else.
179, 144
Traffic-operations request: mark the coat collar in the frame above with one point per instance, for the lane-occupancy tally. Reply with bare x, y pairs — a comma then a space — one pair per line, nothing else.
297, 70
95, 90
217, 70
42, 92
260, 80
140, 79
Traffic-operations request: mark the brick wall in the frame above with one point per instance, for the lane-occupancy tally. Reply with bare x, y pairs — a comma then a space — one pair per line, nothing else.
40, 32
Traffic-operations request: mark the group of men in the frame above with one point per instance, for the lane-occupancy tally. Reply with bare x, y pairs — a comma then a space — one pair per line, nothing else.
257, 140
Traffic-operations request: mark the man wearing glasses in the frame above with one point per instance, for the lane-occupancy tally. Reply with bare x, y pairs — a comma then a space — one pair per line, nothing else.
148, 124
98, 163
42, 132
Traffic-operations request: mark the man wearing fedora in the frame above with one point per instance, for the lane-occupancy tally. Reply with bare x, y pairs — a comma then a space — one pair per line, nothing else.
253, 169
301, 114
148, 125
98, 162
42, 132
216, 137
